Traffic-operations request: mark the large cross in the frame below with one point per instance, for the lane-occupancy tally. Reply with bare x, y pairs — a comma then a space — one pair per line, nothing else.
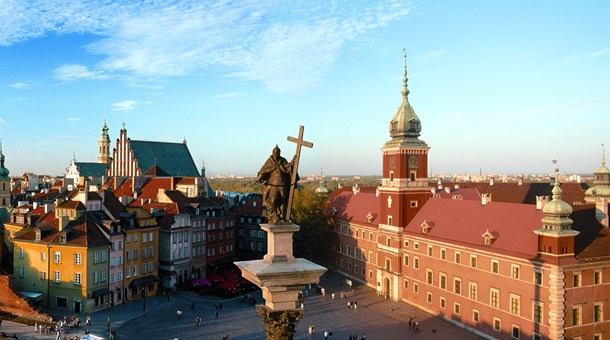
300, 142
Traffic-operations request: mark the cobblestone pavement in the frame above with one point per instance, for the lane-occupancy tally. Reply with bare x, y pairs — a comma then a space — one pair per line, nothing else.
378, 318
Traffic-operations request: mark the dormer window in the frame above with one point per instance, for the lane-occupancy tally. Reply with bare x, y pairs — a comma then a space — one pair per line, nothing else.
370, 217
63, 238
426, 226
489, 237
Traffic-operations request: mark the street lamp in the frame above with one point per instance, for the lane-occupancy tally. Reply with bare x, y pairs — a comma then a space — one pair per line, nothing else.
144, 297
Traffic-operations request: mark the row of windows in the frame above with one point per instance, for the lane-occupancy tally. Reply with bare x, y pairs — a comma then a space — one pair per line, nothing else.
145, 238
357, 269
598, 313
133, 271
515, 269
578, 282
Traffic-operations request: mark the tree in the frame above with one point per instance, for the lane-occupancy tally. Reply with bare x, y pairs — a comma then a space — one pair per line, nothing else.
308, 213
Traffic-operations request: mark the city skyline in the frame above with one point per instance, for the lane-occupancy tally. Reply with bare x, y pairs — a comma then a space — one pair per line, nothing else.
501, 87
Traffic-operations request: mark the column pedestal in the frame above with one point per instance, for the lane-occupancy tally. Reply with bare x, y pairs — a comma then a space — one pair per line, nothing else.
279, 325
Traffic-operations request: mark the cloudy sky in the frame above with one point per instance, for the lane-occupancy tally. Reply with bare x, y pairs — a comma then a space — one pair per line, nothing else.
500, 86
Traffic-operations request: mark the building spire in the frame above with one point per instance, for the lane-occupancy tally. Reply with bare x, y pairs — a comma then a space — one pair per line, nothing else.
556, 189
405, 89
603, 155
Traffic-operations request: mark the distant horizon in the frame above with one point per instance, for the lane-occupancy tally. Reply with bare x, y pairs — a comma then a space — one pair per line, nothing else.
237, 78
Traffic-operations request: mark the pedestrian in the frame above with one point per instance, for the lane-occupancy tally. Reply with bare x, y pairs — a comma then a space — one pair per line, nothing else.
323, 291
332, 296
217, 314
351, 337
220, 308
410, 322
216, 305
363, 337
325, 335
88, 320
416, 326
349, 305
355, 304
330, 335
193, 305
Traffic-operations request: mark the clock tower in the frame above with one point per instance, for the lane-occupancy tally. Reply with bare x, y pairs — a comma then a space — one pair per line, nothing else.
404, 189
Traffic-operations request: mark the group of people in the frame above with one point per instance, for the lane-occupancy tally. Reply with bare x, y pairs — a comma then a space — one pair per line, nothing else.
352, 304
355, 337
413, 325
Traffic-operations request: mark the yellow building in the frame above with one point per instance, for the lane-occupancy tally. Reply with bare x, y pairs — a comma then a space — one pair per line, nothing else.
141, 254
66, 259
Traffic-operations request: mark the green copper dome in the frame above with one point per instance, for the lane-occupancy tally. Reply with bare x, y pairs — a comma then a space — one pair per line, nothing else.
3, 171
601, 183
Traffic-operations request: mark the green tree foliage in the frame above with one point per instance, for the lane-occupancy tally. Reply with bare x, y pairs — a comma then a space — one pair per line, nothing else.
308, 213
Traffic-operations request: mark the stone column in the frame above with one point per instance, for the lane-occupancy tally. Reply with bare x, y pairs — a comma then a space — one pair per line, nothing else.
280, 276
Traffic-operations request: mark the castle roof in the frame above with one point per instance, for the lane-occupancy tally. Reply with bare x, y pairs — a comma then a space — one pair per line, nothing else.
174, 159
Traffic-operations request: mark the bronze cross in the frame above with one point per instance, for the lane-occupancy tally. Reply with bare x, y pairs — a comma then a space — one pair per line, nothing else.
300, 142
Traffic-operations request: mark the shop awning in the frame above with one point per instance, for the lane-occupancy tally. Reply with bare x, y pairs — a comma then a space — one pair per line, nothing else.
100, 292
33, 296
144, 280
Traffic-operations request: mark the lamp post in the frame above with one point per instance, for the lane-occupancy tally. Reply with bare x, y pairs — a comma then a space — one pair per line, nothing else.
144, 297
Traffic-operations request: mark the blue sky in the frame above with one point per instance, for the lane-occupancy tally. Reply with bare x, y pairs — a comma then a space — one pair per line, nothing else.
501, 86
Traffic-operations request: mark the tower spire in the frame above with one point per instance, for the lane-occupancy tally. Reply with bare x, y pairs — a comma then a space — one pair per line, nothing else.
603, 155
405, 89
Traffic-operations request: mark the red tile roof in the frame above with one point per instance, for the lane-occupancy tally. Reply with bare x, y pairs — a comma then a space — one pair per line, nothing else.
464, 221
355, 207
83, 232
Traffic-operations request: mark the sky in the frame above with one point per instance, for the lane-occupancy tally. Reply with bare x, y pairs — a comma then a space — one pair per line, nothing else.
499, 86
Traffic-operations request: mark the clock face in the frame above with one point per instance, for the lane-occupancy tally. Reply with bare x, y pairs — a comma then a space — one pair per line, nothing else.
392, 162
413, 161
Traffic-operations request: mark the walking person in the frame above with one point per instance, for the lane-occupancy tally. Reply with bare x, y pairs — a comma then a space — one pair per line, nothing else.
355, 304
220, 309
217, 314
410, 322
363, 337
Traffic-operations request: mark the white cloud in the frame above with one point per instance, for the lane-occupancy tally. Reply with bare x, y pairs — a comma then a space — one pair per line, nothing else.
587, 56
2, 120
71, 72
22, 85
73, 119
285, 45
125, 105
430, 56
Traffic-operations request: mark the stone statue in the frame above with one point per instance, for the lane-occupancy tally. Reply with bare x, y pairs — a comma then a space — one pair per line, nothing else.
276, 177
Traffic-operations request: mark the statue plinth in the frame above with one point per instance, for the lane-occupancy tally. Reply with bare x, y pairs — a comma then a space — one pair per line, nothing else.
280, 276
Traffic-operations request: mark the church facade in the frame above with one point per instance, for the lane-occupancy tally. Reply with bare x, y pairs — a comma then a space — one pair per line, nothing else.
490, 263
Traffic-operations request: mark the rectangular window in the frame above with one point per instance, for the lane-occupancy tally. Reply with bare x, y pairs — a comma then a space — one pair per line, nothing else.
598, 312
57, 257
111, 277
96, 257
150, 237
457, 285
576, 315
473, 261
103, 256
77, 278
43, 256
112, 261
388, 264
128, 255
443, 303
413, 204
472, 290
429, 275
442, 281
458, 257
456, 308
56, 276
515, 332
103, 275
406, 284
416, 288
416, 245
135, 254
538, 278
143, 268
494, 297
144, 238
497, 324
597, 277
21, 271
95, 277
475, 316
406, 260
370, 274
135, 237
78, 258
43, 275
21, 253
429, 250
515, 304
515, 271
443, 253
538, 310
135, 271
416, 262
495, 266
429, 297
577, 278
